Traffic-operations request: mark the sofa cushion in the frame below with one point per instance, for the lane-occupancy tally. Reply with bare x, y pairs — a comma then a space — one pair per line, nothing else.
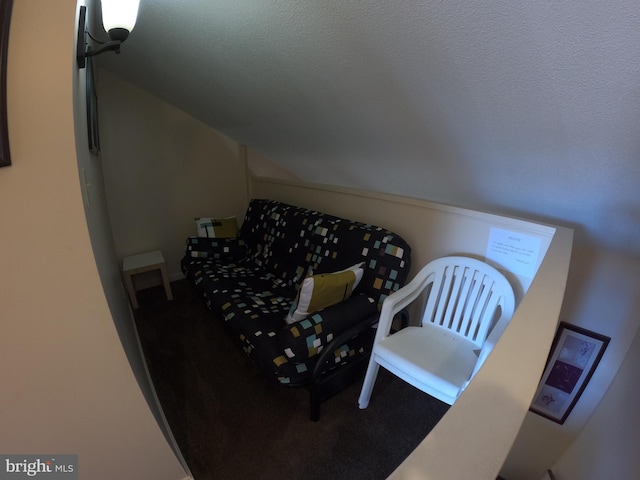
321, 291
274, 233
225, 249
241, 289
294, 242
305, 339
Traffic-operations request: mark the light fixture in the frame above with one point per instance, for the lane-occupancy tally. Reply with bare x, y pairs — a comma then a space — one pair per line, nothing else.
118, 18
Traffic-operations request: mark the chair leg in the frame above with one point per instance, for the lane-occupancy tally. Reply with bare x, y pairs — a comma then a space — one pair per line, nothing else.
369, 382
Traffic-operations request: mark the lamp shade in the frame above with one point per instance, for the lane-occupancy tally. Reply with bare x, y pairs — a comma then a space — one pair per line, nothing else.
119, 17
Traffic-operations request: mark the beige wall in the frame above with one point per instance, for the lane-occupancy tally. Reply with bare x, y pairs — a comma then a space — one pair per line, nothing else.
67, 386
162, 168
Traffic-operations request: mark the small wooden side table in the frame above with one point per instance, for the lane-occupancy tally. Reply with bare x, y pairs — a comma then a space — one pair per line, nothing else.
141, 263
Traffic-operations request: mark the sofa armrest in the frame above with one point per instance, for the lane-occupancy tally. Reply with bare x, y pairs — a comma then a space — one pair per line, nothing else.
306, 338
215, 248
327, 359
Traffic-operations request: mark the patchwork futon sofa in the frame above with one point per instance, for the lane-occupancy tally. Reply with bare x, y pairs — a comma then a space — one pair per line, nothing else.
300, 291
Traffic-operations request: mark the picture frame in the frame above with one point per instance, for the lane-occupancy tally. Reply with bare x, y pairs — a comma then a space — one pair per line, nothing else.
5, 23
575, 354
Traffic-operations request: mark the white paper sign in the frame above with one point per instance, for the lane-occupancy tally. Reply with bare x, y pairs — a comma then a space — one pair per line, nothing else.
514, 251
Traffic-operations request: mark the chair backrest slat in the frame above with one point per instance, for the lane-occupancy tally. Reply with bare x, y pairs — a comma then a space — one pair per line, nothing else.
468, 300
465, 298
446, 303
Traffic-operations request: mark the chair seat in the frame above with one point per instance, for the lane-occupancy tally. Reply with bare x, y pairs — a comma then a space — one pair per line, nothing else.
430, 358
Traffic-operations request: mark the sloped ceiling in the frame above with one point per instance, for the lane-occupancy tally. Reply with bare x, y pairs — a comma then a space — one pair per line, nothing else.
529, 108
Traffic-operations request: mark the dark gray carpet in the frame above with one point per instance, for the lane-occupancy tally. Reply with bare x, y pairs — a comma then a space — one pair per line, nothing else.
232, 423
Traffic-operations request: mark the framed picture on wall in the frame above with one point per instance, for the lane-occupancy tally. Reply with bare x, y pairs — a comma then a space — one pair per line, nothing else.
5, 22
575, 354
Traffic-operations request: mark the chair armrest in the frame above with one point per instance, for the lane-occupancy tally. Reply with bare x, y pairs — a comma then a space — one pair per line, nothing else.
399, 300
215, 248
308, 337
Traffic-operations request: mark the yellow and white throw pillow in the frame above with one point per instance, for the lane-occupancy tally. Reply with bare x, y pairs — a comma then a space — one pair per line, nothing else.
321, 291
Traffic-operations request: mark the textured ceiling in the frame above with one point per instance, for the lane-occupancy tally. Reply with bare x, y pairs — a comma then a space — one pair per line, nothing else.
529, 108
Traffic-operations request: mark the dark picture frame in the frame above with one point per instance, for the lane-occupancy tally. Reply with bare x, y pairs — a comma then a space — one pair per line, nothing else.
5, 23
575, 354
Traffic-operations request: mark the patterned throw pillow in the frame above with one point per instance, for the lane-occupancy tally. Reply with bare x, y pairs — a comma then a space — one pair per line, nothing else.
322, 291
217, 227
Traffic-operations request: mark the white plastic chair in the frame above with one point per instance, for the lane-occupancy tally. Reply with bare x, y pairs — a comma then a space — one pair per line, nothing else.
468, 306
